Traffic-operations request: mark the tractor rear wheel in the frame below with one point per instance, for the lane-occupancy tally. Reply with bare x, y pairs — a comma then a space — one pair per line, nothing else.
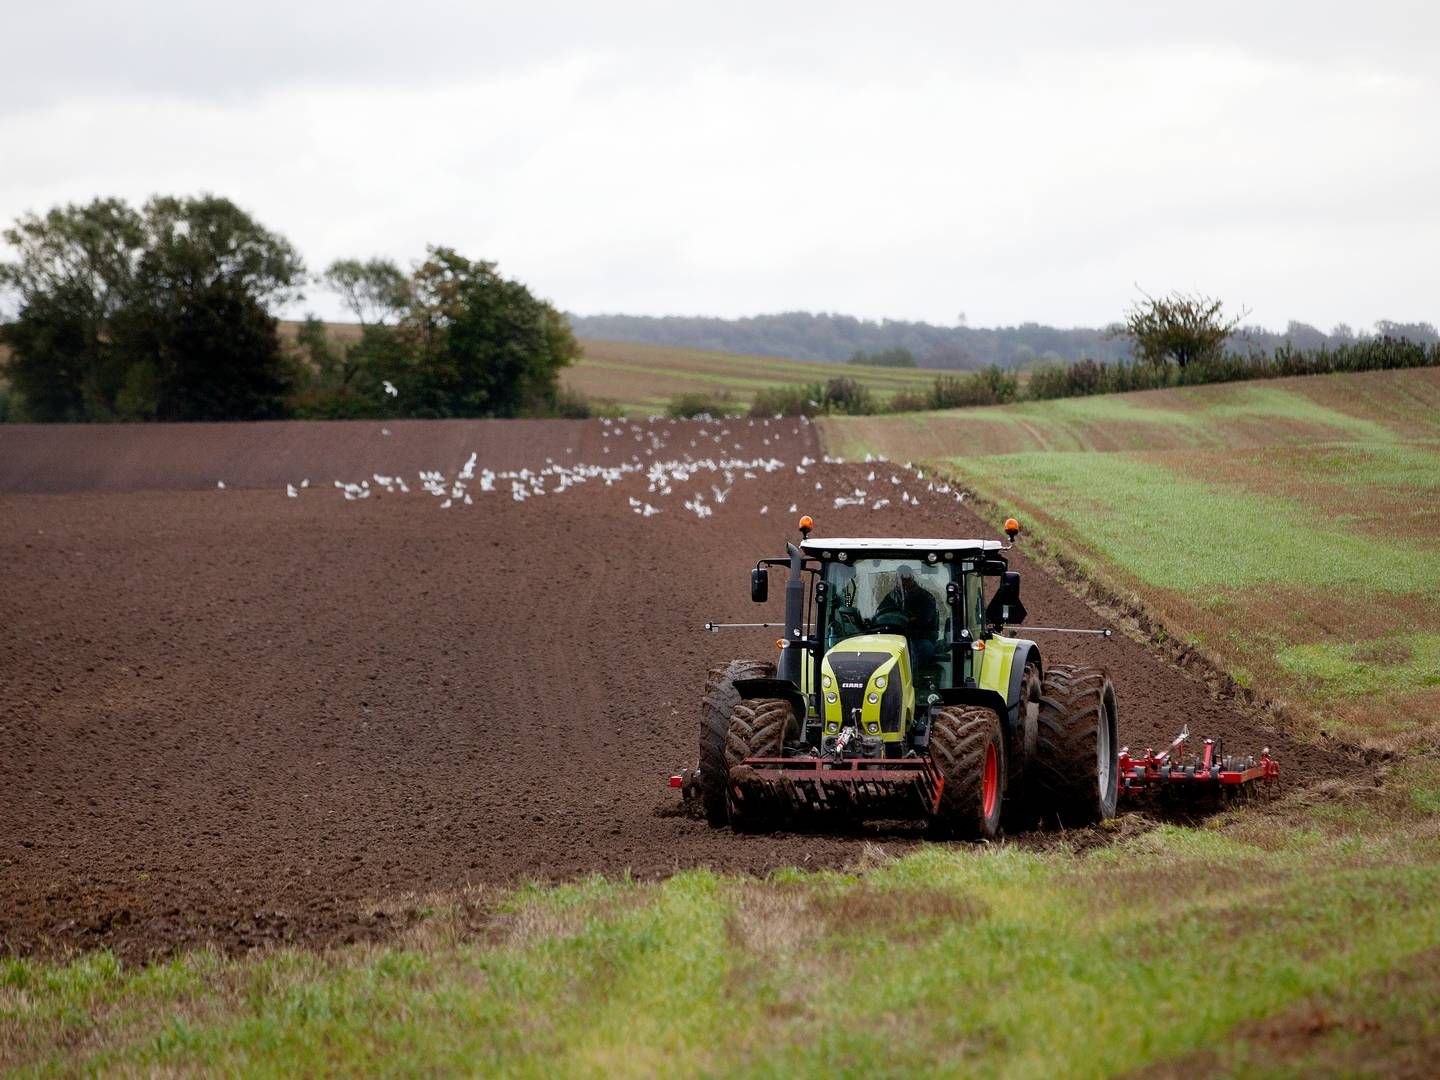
968, 747
716, 707
757, 730
1076, 771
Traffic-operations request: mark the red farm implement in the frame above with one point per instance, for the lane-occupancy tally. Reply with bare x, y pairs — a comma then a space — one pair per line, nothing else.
1212, 772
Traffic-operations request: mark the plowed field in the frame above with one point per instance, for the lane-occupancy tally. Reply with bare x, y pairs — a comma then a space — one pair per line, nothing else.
239, 717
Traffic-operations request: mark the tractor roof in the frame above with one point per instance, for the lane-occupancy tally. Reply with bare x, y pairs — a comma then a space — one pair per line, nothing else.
822, 547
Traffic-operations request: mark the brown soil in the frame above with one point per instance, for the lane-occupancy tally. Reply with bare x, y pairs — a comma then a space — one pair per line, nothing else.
239, 718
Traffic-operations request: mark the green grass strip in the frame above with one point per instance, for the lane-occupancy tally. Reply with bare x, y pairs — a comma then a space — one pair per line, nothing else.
1178, 533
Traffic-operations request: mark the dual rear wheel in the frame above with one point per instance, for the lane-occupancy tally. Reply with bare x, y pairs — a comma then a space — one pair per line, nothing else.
1071, 773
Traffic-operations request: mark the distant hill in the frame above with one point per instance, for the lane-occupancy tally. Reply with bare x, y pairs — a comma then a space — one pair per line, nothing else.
801, 335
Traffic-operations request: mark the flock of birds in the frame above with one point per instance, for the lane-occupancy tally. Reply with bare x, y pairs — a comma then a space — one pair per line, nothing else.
700, 477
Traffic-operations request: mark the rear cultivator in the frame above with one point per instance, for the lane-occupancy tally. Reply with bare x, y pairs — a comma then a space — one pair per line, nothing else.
1212, 773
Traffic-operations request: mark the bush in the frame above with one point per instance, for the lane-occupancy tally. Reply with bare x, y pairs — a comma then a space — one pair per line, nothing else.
787, 401
694, 403
1048, 381
848, 396
1000, 386
910, 401
573, 405
992, 386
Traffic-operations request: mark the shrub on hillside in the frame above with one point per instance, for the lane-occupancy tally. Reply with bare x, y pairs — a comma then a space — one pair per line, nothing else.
787, 401
695, 403
1048, 381
910, 401
848, 396
992, 386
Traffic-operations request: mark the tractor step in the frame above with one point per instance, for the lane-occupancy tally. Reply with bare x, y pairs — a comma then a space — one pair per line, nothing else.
1213, 771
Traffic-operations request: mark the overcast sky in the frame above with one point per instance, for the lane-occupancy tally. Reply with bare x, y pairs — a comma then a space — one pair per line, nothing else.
1010, 161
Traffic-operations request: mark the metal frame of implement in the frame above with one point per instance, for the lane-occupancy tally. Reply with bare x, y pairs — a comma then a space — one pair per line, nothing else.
1214, 771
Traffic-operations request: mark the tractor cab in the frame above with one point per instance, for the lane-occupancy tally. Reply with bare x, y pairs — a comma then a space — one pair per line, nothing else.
928, 592
894, 622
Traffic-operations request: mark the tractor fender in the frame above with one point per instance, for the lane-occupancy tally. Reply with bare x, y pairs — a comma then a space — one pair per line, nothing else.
775, 688
973, 695
1008, 707
1026, 652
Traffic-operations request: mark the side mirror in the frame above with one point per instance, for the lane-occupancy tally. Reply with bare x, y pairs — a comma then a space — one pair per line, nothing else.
1005, 607
759, 585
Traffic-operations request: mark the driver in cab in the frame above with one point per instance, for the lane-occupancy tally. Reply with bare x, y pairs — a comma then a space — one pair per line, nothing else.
922, 620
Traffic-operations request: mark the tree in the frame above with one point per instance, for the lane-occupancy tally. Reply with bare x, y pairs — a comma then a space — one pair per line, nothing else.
75, 270
1422, 333
480, 344
375, 291
155, 313
1182, 327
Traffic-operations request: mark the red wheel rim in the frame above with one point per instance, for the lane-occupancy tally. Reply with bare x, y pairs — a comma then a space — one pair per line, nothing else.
991, 790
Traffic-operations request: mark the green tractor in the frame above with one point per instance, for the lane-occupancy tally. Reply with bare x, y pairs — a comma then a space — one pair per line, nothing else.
899, 695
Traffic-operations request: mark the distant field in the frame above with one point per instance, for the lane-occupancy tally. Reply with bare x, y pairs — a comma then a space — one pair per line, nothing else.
643, 378
1291, 528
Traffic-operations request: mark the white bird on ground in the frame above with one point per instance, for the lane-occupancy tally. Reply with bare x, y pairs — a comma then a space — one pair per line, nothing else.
290, 490
220, 484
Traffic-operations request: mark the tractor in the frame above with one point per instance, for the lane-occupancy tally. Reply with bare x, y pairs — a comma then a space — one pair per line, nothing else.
901, 693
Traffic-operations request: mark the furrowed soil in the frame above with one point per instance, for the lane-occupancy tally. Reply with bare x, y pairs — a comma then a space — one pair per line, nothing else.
235, 717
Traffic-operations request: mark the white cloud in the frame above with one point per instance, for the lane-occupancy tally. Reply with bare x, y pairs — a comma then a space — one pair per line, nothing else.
913, 166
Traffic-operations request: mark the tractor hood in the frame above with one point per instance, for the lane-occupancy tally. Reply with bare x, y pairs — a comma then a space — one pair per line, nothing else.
866, 678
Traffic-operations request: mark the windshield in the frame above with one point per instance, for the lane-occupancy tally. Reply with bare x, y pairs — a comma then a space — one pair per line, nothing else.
889, 595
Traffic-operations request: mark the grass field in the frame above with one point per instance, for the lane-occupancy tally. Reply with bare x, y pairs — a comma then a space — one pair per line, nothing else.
1294, 935
643, 378
1289, 528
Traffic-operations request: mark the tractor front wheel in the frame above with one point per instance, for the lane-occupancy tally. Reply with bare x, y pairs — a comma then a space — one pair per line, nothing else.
968, 747
716, 708
757, 730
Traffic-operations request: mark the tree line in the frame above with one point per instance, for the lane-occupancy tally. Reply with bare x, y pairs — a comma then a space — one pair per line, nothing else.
806, 336
163, 312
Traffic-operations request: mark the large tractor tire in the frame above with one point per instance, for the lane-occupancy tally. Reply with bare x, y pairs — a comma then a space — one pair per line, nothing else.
716, 709
1076, 772
968, 747
758, 727
1023, 809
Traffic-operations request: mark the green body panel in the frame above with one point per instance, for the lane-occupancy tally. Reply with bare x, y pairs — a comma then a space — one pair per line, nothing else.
994, 665
897, 666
